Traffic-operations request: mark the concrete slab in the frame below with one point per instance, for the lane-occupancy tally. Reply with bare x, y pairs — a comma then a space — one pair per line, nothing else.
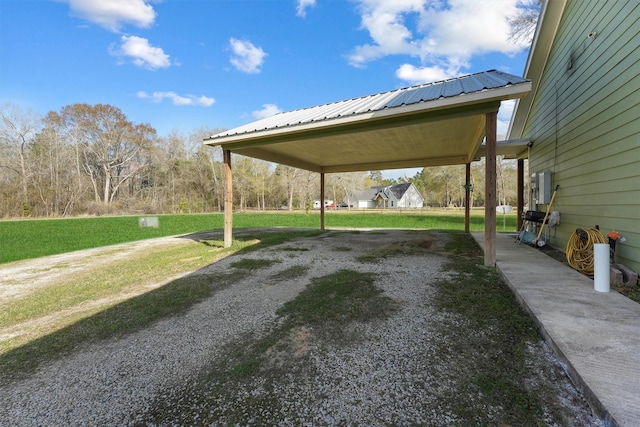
595, 334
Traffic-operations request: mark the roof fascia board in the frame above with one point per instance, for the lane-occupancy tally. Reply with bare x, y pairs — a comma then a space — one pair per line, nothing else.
545, 35
477, 101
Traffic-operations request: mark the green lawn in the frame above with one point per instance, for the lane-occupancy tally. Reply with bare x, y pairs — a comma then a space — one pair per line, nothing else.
33, 238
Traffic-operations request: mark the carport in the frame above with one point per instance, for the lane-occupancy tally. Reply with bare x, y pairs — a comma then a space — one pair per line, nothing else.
434, 124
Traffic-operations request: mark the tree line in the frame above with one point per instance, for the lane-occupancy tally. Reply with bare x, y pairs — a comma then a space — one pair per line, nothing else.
91, 159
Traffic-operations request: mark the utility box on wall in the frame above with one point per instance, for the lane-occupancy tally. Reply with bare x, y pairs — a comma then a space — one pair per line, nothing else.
541, 187
544, 188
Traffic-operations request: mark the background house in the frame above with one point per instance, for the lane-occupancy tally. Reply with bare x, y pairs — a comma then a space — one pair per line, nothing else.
403, 195
583, 118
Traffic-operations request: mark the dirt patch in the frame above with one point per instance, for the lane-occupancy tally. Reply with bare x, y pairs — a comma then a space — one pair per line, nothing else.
295, 345
21, 277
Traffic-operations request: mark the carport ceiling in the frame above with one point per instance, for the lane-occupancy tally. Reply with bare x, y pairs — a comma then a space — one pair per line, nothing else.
440, 123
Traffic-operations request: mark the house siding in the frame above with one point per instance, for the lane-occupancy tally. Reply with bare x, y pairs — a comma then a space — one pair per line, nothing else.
411, 199
387, 197
585, 122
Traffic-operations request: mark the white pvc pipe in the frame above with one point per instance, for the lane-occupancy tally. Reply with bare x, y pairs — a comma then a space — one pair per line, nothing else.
601, 267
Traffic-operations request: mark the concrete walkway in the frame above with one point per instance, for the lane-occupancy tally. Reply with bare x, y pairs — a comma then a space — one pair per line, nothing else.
597, 335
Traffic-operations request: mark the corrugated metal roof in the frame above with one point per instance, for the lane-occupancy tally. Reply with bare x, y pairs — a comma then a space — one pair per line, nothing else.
459, 86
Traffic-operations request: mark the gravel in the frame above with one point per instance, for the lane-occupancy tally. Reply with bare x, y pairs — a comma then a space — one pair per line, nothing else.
386, 372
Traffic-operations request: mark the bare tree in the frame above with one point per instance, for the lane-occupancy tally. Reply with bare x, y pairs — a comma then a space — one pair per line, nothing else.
308, 187
523, 24
343, 184
86, 157
288, 178
442, 185
18, 129
208, 162
54, 179
109, 145
505, 176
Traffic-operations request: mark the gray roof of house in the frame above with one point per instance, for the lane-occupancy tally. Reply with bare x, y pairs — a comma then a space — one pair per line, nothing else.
366, 194
398, 191
456, 87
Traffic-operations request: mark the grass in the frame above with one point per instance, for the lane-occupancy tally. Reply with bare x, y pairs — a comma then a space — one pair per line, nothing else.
335, 299
495, 332
118, 297
128, 316
106, 279
33, 238
630, 291
409, 247
328, 303
290, 273
339, 298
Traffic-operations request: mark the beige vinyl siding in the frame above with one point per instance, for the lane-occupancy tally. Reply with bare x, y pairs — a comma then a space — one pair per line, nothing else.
585, 122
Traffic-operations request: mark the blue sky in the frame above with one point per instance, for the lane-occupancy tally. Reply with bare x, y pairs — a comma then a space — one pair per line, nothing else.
185, 64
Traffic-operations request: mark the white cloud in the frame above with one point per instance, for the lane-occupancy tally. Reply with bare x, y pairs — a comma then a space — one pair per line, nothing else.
268, 110
303, 5
385, 22
142, 53
176, 99
469, 27
113, 14
442, 35
246, 57
417, 75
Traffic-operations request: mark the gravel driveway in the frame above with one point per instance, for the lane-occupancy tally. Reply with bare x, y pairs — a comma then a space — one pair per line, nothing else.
385, 372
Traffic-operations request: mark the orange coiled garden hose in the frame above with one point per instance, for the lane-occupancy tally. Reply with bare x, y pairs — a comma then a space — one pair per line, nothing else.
579, 249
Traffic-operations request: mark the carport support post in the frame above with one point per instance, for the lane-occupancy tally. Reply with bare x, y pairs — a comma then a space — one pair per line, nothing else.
467, 197
228, 199
520, 199
490, 191
322, 201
